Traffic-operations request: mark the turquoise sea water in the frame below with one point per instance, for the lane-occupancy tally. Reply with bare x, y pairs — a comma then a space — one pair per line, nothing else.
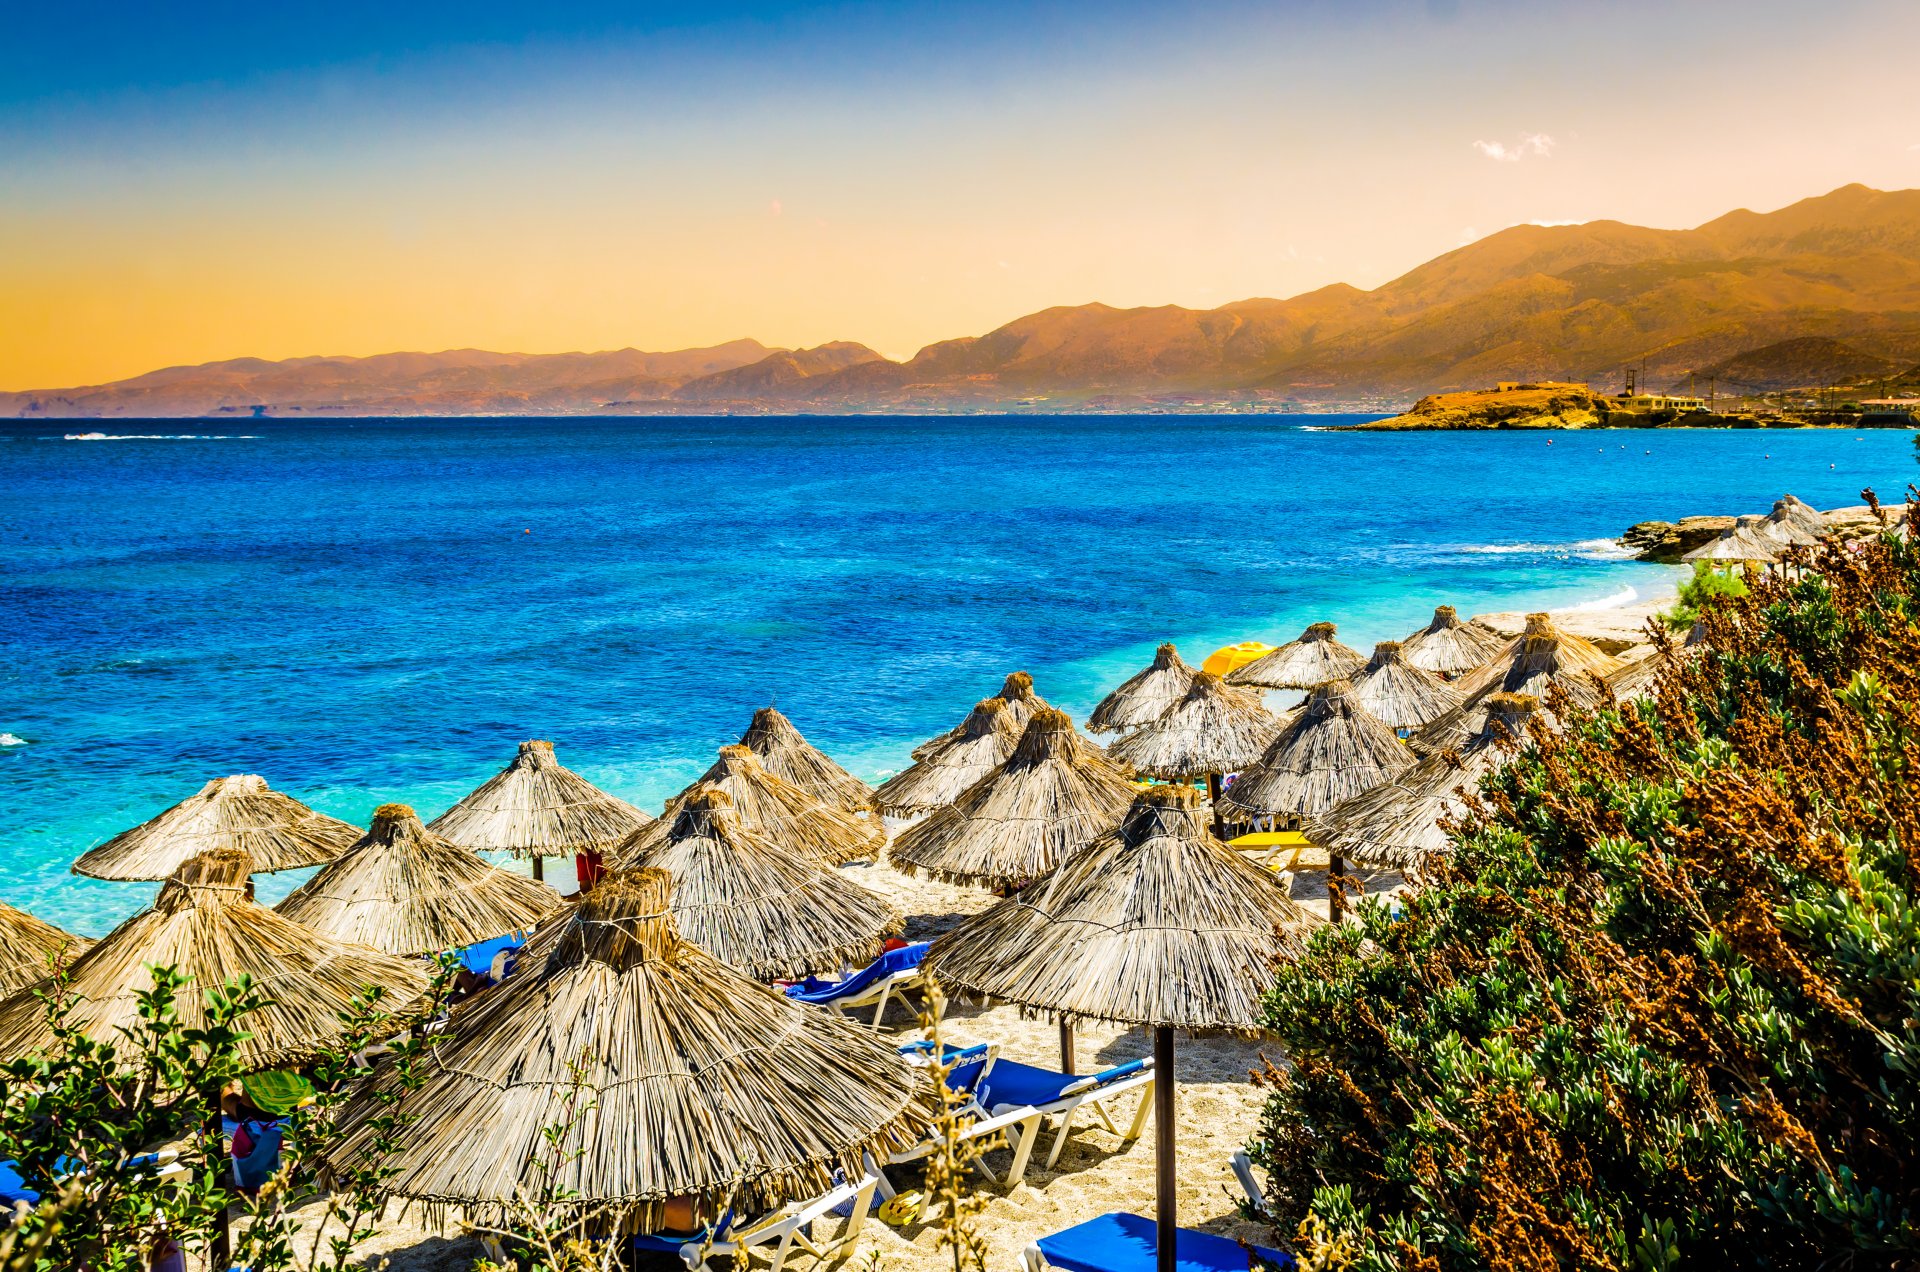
374, 611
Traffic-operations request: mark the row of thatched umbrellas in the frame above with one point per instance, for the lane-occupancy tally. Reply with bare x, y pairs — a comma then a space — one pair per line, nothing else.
1188, 931
1138, 916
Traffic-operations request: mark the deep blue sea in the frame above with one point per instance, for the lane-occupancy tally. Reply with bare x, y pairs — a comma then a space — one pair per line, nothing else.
374, 611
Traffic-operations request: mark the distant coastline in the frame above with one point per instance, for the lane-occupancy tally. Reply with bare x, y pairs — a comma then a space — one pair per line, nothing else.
1743, 304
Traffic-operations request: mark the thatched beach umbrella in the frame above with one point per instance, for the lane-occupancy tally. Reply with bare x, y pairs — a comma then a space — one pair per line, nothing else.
1396, 825
670, 1075
1145, 696
1786, 524
537, 808
1021, 702
277, 832
950, 764
1398, 694
1050, 797
1330, 751
1157, 924
28, 948
1807, 518
1313, 659
1541, 658
759, 905
1212, 730
405, 890
1746, 540
776, 810
205, 925
783, 752
1449, 647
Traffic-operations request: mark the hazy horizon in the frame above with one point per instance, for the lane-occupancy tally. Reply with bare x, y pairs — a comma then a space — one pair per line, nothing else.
183, 188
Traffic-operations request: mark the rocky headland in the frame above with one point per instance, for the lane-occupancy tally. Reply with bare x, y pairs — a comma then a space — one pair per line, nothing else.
1667, 542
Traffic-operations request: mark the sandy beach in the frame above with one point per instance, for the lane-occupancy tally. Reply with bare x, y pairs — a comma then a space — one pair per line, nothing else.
1097, 1172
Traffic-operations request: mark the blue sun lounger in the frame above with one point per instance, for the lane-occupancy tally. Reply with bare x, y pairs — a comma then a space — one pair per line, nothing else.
972, 1067
1129, 1243
1010, 1086
875, 985
478, 957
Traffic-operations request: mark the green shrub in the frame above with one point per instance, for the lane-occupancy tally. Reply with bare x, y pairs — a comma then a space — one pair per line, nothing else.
1698, 591
1663, 1005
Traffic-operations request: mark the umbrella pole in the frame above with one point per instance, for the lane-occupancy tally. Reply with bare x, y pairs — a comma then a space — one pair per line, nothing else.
1213, 797
1166, 1208
538, 873
1066, 1045
1336, 898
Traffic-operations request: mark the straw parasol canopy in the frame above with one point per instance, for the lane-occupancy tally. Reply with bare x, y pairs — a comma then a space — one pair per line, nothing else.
1809, 519
1213, 729
1746, 540
1145, 696
1785, 524
536, 807
1396, 825
950, 764
405, 890
1021, 702
277, 832
1449, 647
1398, 694
1540, 658
28, 948
776, 810
1156, 923
1330, 751
1315, 658
671, 1075
1053, 794
783, 752
206, 926
758, 905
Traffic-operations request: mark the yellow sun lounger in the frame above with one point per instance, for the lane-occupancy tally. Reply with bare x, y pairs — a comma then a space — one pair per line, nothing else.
1274, 849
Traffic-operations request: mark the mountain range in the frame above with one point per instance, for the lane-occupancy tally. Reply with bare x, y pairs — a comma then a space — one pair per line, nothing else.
1825, 289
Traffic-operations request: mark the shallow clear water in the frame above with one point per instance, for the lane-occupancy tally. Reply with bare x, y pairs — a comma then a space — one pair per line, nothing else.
364, 612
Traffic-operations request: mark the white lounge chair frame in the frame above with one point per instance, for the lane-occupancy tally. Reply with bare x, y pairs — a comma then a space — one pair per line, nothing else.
1089, 1092
784, 1231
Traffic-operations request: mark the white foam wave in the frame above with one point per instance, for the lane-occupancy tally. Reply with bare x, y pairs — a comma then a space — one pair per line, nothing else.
1614, 600
1591, 549
12, 739
161, 437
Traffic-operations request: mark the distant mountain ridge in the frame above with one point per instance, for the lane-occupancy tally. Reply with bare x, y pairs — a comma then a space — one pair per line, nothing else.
1530, 303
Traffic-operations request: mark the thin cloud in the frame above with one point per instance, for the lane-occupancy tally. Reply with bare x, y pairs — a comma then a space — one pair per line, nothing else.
1531, 146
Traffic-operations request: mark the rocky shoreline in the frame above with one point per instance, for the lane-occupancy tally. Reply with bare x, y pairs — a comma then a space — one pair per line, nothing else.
1666, 542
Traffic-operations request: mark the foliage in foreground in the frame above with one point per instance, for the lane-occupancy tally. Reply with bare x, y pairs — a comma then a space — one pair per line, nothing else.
1664, 1005
85, 1117
1701, 591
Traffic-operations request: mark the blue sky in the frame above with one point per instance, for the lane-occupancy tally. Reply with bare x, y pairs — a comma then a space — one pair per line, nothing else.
216, 180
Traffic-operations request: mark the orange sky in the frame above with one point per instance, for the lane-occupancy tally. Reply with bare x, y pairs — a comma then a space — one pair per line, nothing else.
836, 177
